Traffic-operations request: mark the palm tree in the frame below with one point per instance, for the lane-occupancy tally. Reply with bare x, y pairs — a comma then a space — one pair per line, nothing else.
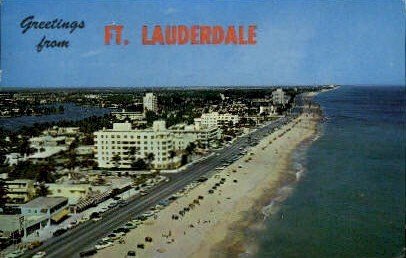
133, 151
3, 195
172, 154
116, 160
42, 190
150, 159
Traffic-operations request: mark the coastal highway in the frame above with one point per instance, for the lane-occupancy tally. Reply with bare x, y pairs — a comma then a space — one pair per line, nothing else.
84, 236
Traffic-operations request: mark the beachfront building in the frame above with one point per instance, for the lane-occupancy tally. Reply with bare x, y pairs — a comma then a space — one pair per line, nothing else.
184, 134
215, 119
150, 102
121, 146
52, 208
278, 97
20, 191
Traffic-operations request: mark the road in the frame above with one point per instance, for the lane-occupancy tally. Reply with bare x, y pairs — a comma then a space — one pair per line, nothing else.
84, 236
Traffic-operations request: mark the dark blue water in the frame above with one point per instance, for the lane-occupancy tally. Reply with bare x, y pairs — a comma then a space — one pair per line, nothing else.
351, 200
72, 112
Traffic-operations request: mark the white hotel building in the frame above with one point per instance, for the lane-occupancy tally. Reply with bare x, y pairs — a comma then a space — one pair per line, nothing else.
214, 119
157, 140
150, 102
278, 97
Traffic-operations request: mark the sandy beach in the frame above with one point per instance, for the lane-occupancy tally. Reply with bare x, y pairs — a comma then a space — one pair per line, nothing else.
212, 226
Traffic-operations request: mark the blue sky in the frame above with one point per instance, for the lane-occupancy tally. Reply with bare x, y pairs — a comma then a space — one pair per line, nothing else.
298, 42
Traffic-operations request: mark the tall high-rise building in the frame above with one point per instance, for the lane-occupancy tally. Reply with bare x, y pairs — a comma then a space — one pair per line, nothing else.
150, 102
278, 97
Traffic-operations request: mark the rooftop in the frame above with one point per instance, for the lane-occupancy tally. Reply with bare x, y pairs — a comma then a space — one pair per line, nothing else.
44, 202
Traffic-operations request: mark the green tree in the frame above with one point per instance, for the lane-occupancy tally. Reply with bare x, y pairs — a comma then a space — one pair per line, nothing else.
191, 148
150, 159
116, 160
24, 148
139, 164
42, 190
172, 154
3, 195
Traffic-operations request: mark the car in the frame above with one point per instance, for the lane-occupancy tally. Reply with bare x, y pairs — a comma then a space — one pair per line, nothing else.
39, 254
202, 179
112, 205
112, 236
34, 245
148, 213
103, 244
104, 209
143, 193
136, 221
130, 225
59, 232
164, 202
121, 230
131, 253
123, 203
72, 224
83, 219
88, 253
14, 254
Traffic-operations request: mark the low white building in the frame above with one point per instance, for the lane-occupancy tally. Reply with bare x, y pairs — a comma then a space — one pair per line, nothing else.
20, 190
17, 226
279, 97
214, 119
45, 141
184, 134
271, 110
132, 116
62, 131
74, 192
53, 208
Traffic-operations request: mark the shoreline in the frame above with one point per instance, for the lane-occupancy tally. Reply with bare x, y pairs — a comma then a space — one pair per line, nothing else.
253, 222
219, 220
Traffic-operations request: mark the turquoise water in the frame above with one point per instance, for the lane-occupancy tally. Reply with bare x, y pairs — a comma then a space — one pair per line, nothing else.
350, 201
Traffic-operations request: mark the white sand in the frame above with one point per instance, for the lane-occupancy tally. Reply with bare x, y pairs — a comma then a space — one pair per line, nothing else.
207, 224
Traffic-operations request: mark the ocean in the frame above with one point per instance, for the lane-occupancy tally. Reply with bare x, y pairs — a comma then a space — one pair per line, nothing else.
349, 200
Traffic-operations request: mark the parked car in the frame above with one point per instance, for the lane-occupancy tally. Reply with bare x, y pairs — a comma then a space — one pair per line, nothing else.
34, 245
131, 253
59, 232
130, 225
103, 244
39, 254
88, 253
16, 253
